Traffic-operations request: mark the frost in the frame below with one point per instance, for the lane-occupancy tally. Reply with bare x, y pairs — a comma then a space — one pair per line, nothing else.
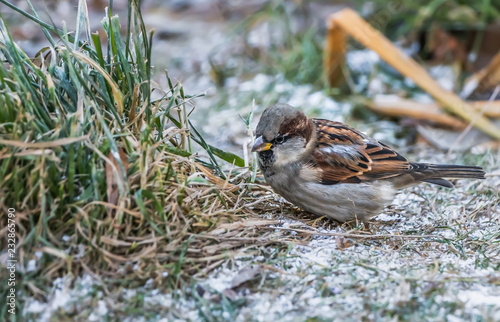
362, 61
31, 266
35, 307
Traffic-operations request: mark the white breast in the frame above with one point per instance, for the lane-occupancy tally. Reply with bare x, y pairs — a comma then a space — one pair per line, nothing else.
342, 202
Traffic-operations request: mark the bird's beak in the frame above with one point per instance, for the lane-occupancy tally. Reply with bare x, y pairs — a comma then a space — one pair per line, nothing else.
260, 145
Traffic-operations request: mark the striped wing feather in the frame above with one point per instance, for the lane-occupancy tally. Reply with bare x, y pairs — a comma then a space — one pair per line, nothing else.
346, 155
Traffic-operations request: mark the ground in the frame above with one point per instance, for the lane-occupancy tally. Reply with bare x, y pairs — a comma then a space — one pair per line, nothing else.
434, 255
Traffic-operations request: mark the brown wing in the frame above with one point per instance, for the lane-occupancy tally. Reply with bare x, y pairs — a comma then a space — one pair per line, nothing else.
345, 155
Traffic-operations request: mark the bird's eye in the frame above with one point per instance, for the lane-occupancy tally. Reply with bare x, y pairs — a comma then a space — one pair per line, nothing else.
279, 139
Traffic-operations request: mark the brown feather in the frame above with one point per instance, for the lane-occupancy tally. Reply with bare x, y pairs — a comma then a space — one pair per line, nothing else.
300, 125
346, 155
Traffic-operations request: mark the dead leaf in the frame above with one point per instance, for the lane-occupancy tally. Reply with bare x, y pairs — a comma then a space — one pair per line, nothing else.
223, 228
395, 106
55, 252
213, 249
216, 180
246, 274
343, 243
112, 190
334, 57
445, 139
485, 79
230, 294
46, 144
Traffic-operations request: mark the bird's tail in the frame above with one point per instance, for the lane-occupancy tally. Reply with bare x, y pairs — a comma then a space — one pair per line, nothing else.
434, 173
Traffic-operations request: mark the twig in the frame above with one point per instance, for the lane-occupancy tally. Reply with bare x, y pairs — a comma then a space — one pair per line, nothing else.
400, 107
351, 235
334, 55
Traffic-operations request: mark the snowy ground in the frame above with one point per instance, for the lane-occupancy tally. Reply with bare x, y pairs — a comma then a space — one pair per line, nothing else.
433, 255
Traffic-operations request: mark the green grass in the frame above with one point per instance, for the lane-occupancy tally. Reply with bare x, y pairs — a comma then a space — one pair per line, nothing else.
398, 18
88, 153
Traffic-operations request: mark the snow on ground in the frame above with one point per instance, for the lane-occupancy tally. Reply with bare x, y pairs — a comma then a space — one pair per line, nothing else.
452, 276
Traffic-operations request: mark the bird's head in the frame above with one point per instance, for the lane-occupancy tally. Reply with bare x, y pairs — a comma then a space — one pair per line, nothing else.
283, 135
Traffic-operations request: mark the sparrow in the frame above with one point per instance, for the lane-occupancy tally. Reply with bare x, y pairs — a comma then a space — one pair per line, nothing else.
331, 169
